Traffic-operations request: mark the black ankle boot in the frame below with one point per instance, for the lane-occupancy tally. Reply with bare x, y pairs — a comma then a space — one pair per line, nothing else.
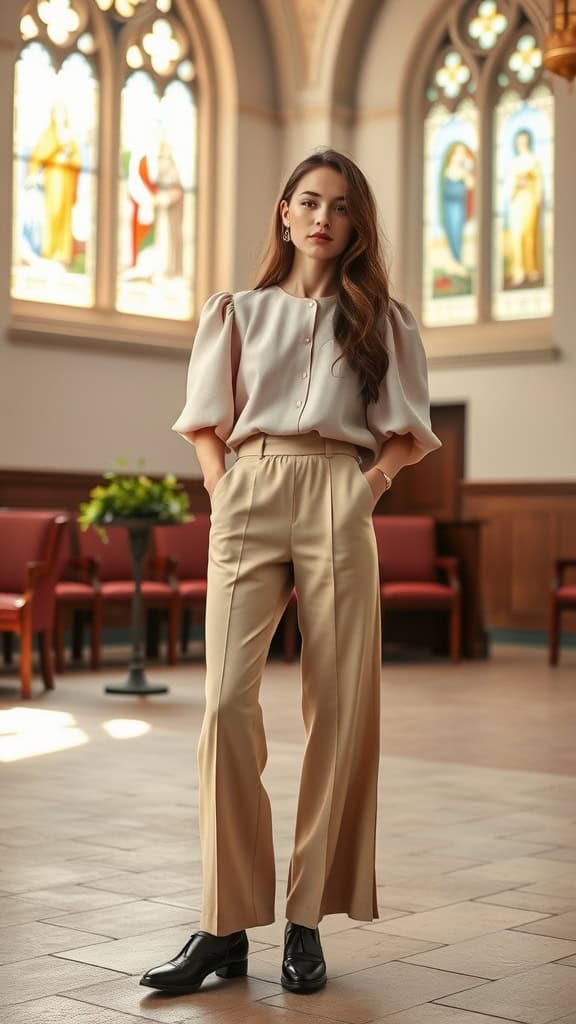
303, 965
203, 954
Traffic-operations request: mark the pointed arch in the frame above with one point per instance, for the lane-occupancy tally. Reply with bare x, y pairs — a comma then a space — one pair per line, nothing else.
489, 244
210, 256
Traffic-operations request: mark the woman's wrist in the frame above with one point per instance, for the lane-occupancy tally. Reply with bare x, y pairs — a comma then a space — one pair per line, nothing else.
387, 477
394, 454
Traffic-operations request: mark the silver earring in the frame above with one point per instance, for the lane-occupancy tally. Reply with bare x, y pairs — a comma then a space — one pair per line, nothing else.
286, 233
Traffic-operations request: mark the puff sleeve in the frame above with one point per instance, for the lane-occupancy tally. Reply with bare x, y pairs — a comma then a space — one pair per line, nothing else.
403, 406
211, 371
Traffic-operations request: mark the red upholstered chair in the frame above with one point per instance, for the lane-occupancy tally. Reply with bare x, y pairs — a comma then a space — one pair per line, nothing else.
31, 546
182, 552
409, 571
562, 598
115, 580
77, 592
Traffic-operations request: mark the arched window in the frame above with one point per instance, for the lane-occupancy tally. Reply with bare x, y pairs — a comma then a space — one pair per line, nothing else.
56, 108
488, 170
133, 156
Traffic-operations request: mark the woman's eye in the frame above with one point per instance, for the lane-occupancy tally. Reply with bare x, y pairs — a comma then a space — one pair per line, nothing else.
342, 209
308, 202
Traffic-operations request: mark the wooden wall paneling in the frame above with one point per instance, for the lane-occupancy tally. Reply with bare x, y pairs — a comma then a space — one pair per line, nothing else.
532, 553
496, 574
527, 527
432, 486
66, 490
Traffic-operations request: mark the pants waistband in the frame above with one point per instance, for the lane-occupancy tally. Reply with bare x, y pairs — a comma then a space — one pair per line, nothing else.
295, 444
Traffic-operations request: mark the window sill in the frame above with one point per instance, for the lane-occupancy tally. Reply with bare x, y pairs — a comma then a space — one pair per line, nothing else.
85, 329
518, 341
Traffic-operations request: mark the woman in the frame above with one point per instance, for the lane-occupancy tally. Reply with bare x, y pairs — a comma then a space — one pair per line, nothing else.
456, 191
525, 212
309, 377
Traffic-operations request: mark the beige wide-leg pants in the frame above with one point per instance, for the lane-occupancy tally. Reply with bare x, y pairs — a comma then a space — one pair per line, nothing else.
292, 510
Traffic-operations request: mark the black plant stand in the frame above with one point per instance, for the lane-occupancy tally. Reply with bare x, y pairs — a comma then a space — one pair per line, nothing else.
139, 536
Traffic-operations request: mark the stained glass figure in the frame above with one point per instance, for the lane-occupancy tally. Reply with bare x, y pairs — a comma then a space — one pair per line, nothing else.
157, 198
450, 249
522, 228
55, 132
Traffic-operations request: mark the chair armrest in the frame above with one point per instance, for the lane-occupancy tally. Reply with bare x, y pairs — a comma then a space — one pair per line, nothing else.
449, 565
34, 570
87, 568
164, 566
34, 573
560, 566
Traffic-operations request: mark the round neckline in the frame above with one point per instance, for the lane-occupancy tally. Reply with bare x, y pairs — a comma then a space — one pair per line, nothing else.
306, 298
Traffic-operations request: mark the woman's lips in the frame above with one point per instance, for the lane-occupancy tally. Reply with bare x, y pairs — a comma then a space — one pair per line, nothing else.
321, 238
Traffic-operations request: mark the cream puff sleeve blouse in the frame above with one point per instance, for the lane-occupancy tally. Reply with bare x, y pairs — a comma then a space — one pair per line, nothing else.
265, 361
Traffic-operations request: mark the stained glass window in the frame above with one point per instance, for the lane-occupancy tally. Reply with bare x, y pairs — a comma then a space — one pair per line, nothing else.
486, 23
55, 159
522, 242
146, 263
157, 184
485, 93
450, 233
157, 193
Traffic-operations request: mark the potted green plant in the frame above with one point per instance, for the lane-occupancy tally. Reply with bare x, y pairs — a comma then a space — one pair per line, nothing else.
129, 496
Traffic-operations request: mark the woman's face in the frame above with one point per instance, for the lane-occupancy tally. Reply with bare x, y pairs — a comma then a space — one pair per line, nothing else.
522, 142
317, 214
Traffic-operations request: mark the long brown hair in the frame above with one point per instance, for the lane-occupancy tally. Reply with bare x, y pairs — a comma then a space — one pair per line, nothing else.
363, 288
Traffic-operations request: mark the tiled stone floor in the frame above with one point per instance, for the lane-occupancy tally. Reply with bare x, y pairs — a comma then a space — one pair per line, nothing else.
99, 855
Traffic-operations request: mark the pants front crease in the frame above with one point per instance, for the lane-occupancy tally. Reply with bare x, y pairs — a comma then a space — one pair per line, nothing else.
296, 514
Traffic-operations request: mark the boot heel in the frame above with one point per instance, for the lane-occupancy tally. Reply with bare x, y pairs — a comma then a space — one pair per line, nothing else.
236, 970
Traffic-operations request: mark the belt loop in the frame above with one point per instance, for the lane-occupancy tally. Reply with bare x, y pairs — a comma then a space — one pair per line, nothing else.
262, 445
328, 447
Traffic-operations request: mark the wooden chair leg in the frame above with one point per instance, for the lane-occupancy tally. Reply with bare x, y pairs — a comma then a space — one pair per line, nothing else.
8, 647
173, 630
77, 634
554, 631
26, 638
46, 659
455, 632
96, 634
59, 638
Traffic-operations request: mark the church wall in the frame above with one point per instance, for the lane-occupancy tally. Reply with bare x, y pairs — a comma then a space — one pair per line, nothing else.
521, 419
78, 408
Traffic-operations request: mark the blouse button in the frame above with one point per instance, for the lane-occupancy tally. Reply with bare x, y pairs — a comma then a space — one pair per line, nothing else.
298, 404
306, 341
305, 374
311, 304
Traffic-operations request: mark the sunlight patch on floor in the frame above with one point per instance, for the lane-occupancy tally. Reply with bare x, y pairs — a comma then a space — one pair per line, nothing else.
28, 732
125, 728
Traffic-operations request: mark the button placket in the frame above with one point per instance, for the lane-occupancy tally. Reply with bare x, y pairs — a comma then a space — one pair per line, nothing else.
305, 374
